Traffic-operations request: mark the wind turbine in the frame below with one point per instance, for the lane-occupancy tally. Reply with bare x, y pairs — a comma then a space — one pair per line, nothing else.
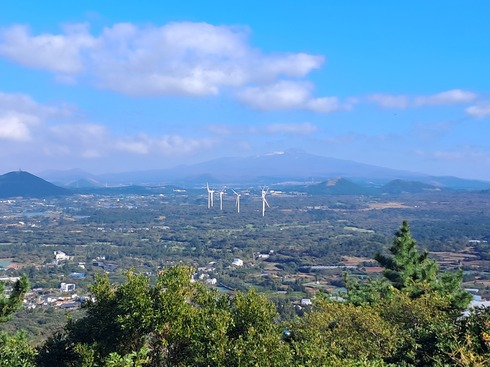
237, 200
210, 196
221, 193
264, 201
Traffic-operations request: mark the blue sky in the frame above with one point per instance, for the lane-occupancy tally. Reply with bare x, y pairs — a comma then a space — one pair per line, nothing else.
109, 87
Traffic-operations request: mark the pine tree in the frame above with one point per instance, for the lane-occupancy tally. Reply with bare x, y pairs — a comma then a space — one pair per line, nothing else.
15, 350
415, 274
14, 301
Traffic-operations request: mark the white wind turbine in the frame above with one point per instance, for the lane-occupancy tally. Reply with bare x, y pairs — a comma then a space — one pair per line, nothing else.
237, 200
210, 196
221, 193
264, 200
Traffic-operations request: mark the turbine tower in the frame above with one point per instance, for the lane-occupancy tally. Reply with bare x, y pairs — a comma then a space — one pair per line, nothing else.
264, 200
237, 200
221, 193
210, 196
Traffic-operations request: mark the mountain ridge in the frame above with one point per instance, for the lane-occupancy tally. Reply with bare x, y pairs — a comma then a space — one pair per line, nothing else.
289, 166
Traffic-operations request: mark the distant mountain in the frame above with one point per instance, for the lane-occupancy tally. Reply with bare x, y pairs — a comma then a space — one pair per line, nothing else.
84, 183
409, 187
339, 186
20, 183
64, 178
458, 183
268, 169
293, 165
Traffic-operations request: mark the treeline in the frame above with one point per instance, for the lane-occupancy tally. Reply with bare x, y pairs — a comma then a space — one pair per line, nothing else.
411, 317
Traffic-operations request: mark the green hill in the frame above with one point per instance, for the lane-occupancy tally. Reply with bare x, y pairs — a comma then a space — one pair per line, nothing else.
410, 187
338, 186
24, 184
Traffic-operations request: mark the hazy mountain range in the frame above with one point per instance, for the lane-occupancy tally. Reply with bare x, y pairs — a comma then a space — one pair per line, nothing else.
292, 166
294, 169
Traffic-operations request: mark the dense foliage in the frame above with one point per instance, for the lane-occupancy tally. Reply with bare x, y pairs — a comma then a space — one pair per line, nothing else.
174, 322
15, 350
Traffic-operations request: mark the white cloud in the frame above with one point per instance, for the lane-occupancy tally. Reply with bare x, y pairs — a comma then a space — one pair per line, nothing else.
480, 110
454, 96
133, 146
174, 59
295, 129
22, 103
79, 132
167, 145
389, 101
75, 140
20, 114
292, 65
172, 145
16, 126
281, 95
450, 97
324, 105
41, 133
287, 95
56, 53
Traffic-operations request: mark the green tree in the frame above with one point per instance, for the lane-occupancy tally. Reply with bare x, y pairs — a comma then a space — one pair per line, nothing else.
406, 268
337, 333
415, 298
172, 322
9, 305
469, 342
15, 350
412, 273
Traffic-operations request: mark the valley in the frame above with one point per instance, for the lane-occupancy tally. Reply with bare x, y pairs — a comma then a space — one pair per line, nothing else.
304, 243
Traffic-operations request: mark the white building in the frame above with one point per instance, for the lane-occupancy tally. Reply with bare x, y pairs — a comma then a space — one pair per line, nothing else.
61, 256
306, 302
237, 262
212, 281
67, 287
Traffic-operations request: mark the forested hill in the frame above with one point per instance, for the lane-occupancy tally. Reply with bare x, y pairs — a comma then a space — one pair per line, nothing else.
21, 183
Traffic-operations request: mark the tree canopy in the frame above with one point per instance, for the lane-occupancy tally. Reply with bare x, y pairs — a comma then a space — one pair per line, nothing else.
173, 322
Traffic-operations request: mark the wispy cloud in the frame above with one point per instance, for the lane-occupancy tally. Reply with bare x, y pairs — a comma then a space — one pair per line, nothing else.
389, 101
288, 95
432, 131
281, 95
325, 105
450, 97
166, 145
479, 110
469, 154
301, 129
